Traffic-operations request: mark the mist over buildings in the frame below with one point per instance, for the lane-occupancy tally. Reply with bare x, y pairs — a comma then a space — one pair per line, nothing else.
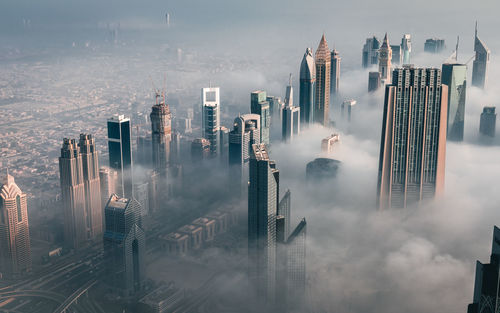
421, 259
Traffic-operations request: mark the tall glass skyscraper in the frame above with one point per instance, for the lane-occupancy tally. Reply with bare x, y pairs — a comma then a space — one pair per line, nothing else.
455, 77
15, 250
124, 246
306, 88
370, 52
335, 72
481, 63
120, 152
263, 195
413, 141
322, 90
210, 106
259, 105
406, 48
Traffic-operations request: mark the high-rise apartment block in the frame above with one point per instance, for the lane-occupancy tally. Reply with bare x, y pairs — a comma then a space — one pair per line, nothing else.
124, 246
80, 191
481, 62
260, 106
120, 152
307, 87
455, 77
210, 106
322, 90
15, 250
487, 124
413, 141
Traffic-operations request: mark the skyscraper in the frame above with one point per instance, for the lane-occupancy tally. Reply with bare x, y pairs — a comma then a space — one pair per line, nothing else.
434, 45
291, 115
15, 250
284, 209
161, 127
200, 150
370, 52
486, 291
80, 191
296, 265
275, 106
259, 105
322, 90
120, 152
487, 124
373, 81
109, 183
335, 72
210, 105
384, 63
124, 246
406, 48
92, 186
397, 56
455, 77
245, 133
481, 62
307, 87
263, 192
413, 141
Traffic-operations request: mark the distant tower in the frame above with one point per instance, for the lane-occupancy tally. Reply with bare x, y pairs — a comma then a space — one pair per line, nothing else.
210, 105
291, 115
161, 127
322, 90
200, 150
455, 77
335, 72
15, 251
406, 48
410, 168
306, 88
481, 62
259, 105
109, 184
263, 195
373, 81
120, 152
384, 64
434, 45
167, 19
124, 246
487, 125
370, 52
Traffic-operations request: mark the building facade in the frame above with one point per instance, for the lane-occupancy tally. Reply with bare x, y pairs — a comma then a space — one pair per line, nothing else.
322, 87
406, 49
161, 135
335, 72
370, 52
384, 63
15, 249
413, 141
487, 124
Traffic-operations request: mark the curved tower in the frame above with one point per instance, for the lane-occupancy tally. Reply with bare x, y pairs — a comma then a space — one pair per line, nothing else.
306, 88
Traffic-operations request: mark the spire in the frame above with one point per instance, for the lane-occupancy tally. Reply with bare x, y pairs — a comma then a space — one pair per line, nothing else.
456, 49
475, 30
290, 80
323, 52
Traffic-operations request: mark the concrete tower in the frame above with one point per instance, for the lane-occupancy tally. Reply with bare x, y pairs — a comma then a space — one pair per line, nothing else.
306, 88
384, 63
481, 63
322, 90
161, 127
15, 251
413, 141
